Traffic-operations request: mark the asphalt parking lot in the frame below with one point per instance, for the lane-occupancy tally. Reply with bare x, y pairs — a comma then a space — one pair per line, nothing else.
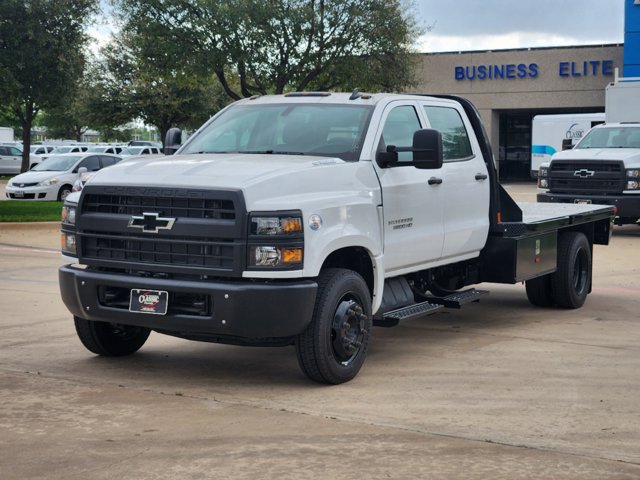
497, 390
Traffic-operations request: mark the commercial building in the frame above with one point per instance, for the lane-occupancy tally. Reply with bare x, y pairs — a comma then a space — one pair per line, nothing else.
510, 87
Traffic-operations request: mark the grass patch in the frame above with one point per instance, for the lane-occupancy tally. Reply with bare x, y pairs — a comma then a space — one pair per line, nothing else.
20, 211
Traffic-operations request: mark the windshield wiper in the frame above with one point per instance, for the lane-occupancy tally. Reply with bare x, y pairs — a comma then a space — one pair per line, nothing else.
271, 152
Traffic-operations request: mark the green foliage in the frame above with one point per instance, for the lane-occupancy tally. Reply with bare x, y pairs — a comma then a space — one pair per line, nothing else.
261, 47
41, 56
21, 211
140, 79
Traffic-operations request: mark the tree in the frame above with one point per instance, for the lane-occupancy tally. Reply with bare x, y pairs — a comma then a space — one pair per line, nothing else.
41, 55
141, 77
260, 47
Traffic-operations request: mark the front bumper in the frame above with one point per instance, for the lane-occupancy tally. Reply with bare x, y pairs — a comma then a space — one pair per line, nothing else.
237, 312
627, 206
32, 193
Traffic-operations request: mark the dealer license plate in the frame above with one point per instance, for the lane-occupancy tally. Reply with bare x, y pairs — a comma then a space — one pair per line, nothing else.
154, 302
18, 194
583, 201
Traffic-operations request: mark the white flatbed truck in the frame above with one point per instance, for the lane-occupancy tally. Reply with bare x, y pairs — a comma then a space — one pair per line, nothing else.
306, 219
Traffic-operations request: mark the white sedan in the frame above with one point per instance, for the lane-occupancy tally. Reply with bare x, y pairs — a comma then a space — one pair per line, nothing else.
53, 179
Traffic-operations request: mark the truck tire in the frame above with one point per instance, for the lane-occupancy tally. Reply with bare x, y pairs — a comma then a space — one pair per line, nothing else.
571, 282
334, 345
110, 340
539, 291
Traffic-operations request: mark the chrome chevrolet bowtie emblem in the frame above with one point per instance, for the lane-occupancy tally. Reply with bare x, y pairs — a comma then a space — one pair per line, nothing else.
151, 222
584, 173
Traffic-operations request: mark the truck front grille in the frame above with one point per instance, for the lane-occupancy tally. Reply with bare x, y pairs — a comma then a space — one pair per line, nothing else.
588, 177
206, 233
170, 206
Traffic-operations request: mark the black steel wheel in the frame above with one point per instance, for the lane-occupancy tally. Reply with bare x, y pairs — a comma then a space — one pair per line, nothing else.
109, 339
333, 347
539, 291
571, 283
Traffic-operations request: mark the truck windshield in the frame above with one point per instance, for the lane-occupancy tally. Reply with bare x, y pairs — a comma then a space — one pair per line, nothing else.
286, 129
613, 137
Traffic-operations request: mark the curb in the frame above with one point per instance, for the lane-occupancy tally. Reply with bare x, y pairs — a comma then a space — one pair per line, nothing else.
4, 226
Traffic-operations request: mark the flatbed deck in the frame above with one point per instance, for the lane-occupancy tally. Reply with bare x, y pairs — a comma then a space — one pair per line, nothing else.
544, 217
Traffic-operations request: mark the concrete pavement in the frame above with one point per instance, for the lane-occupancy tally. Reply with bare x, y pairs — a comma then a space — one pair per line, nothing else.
498, 390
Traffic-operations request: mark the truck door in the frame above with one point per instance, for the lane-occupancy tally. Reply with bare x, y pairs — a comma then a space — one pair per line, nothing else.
412, 201
10, 160
465, 185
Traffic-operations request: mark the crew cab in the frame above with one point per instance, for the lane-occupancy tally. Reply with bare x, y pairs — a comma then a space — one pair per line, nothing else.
306, 219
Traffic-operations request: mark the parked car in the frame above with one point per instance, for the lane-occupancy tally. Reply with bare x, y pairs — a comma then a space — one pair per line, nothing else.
141, 151
66, 149
41, 149
114, 149
53, 179
144, 143
11, 159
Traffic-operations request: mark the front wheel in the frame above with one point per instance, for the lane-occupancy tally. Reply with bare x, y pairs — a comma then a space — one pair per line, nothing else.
334, 345
64, 191
109, 339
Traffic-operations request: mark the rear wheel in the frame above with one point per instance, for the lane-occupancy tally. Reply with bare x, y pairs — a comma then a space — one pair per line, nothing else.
539, 291
571, 282
333, 347
109, 339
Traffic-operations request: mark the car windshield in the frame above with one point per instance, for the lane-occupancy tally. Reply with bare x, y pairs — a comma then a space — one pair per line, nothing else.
60, 163
132, 150
611, 137
58, 150
287, 129
97, 149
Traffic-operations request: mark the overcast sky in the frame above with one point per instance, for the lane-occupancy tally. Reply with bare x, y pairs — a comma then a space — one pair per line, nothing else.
463, 25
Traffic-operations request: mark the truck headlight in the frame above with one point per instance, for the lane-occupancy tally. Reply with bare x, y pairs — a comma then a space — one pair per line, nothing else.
633, 179
285, 225
68, 243
276, 240
272, 256
543, 180
69, 215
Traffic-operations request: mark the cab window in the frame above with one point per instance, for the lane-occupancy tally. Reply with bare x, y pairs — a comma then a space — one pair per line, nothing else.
399, 127
455, 140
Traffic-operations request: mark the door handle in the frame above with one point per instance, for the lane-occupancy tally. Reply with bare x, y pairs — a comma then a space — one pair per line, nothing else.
481, 176
435, 181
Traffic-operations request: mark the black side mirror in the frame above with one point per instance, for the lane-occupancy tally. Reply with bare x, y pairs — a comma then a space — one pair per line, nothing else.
172, 141
567, 144
427, 149
389, 158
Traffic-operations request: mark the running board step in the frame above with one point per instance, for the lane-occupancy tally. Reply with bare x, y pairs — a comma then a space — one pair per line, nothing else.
457, 299
392, 318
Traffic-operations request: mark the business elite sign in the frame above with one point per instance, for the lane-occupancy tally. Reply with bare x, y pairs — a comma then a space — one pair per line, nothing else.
515, 71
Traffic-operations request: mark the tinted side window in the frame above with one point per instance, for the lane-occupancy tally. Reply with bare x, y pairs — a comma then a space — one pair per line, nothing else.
399, 127
15, 152
92, 164
106, 161
3, 151
455, 140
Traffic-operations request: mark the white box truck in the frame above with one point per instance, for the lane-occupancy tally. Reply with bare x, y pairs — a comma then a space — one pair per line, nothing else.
622, 100
554, 133
6, 134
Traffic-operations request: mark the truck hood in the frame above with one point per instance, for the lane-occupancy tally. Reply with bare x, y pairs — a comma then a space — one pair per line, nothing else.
267, 181
624, 154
